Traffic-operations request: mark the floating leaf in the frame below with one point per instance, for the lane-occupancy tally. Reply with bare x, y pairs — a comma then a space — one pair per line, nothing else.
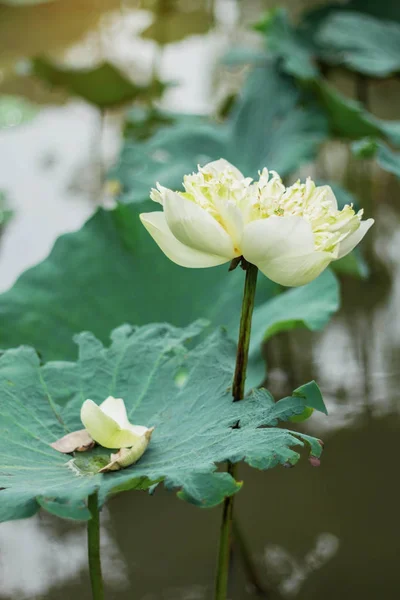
15, 111
103, 85
267, 126
193, 424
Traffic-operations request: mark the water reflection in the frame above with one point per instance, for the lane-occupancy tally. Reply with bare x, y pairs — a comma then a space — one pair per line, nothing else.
291, 572
51, 555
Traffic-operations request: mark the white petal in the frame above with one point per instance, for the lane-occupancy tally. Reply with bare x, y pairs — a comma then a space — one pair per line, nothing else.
273, 237
231, 218
217, 166
283, 249
355, 238
157, 195
104, 430
194, 227
330, 196
293, 271
115, 408
180, 254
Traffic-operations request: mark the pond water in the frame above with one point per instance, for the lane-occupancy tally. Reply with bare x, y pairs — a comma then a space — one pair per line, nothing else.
311, 533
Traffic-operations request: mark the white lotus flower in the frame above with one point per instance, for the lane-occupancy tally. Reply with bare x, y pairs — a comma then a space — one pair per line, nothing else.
291, 234
108, 425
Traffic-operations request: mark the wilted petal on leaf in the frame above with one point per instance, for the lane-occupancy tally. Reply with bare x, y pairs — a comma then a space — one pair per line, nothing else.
77, 441
128, 456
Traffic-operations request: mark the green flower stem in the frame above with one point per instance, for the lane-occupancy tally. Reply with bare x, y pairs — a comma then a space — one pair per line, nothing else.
221, 584
93, 528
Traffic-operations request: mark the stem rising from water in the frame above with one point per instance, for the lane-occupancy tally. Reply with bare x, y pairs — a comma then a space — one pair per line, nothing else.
93, 529
221, 584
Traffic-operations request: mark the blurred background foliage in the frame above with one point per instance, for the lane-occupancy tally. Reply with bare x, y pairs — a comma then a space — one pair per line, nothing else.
101, 99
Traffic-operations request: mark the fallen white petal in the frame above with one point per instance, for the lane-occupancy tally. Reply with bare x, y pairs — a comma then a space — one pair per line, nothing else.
104, 429
115, 408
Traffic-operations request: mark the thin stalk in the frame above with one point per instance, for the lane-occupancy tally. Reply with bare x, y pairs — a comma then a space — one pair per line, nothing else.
93, 529
221, 583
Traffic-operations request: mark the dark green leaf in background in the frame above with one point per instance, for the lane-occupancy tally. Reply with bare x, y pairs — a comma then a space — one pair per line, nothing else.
268, 126
387, 159
104, 86
298, 55
295, 50
361, 43
193, 422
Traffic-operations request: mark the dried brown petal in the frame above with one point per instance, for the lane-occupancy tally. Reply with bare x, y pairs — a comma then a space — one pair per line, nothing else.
78, 441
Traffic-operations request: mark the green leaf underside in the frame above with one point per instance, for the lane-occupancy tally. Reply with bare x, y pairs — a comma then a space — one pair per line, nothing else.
267, 126
193, 423
103, 85
124, 277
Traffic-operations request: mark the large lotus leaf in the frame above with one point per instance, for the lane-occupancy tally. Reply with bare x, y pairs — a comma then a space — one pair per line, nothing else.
193, 418
122, 277
103, 85
268, 126
361, 43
